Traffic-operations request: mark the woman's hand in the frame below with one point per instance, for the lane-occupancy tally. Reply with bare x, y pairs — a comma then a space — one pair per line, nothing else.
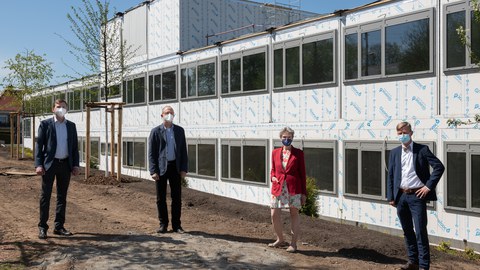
274, 179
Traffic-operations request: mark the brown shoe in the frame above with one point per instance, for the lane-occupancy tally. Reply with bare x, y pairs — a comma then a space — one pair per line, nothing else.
409, 266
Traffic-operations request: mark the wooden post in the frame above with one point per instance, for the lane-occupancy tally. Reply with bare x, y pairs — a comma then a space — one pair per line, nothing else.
119, 144
11, 134
87, 145
34, 140
112, 139
18, 135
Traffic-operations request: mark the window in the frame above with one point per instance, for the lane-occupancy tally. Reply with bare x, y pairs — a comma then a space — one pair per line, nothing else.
74, 100
320, 162
202, 157
198, 79
4, 120
113, 91
304, 62
245, 160
245, 71
390, 47
27, 126
462, 176
91, 95
162, 85
134, 91
94, 147
134, 152
102, 149
458, 55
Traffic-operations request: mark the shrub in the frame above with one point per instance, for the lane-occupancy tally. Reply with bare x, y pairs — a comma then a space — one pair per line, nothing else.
184, 182
311, 207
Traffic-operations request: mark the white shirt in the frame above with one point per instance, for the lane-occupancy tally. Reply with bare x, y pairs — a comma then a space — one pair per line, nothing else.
61, 132
410, 179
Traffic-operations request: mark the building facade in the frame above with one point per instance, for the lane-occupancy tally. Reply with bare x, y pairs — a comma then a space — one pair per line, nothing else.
342, 81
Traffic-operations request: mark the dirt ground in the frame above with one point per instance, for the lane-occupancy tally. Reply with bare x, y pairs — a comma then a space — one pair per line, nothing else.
114, 227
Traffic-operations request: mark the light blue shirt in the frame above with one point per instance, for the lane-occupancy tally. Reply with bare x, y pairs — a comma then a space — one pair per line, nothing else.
61, 132
170, 137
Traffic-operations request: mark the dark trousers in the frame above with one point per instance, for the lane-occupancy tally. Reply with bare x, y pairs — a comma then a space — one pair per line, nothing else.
174, 181
60, 170
412, 211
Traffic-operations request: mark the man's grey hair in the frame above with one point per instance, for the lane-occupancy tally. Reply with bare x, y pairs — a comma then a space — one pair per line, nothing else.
287, 130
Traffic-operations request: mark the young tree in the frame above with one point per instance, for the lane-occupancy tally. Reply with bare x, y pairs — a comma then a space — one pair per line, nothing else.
99, 48
29, 72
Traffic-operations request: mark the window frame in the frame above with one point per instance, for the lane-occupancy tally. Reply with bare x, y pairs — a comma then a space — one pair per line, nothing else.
161, 73
125, 91
82, 151
125, 149
467, 7
317, 144
382, 25
196, 143
196, 64
469, 148
241, 143
241, 55
378, 146
27, 127
300, 42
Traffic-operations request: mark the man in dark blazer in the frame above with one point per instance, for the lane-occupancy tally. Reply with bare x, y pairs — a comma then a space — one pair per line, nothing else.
410, 185
56, 157
168, 160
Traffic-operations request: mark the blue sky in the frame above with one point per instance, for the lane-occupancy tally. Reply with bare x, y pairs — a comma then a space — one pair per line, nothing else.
34, 25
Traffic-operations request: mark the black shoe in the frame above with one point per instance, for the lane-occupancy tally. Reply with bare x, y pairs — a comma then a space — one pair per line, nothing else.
63, 232
409, 266
162, 229
179, 230
42, 234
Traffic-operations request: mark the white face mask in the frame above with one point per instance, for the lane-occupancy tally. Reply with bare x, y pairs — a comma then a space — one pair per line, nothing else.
60, 112
168, 117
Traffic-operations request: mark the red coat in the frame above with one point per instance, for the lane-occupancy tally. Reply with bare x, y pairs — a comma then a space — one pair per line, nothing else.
294, 173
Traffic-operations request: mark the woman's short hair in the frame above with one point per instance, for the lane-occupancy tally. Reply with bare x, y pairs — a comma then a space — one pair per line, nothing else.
287, 130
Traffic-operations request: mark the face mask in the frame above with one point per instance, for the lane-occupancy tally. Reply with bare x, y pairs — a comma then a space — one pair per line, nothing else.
287, 142
60, 112
168, 117
404, 138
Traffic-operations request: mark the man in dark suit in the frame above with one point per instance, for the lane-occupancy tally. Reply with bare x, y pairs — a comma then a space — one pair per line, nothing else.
56, 157
410, 185
168, 160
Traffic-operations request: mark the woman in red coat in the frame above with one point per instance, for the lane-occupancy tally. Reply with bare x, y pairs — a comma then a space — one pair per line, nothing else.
289, 189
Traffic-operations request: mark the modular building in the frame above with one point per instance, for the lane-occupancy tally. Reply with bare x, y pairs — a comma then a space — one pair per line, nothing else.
342, 81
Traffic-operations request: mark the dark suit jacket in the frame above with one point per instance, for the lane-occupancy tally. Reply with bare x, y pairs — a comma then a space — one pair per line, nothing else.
47, 144
157, 150
423, 158
294, 173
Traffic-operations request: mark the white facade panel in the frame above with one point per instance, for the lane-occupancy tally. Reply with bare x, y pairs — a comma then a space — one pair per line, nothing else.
163, 28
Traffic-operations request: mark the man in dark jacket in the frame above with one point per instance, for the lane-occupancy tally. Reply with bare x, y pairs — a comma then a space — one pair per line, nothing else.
168, 160
56, 157
410, 185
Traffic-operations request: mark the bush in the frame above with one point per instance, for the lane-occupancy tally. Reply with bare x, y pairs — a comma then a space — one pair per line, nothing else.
311, 207
184, 182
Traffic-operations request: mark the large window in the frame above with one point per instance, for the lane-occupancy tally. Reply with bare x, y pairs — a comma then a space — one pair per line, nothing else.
202, 157
134, 152
462, 176
91, 94
394, 46
198, 79
94, 149
134, 90
320, 162
162, 85
27, 126
245, 71
113, 91
245, 160
458, 55
304, 62
74, 100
